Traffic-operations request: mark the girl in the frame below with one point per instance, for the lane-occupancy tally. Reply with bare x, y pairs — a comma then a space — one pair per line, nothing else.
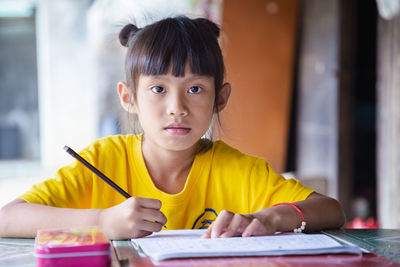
175, 86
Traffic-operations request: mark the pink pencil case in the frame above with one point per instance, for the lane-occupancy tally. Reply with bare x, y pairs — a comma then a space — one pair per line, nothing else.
72, 247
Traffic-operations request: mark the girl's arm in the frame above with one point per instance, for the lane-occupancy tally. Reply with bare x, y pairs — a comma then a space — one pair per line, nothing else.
135, 217
320, 212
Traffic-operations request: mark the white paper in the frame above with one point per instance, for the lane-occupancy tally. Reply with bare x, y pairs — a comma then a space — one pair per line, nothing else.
188, 243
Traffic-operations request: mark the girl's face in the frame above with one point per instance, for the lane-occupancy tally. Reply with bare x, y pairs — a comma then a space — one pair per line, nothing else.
175, 112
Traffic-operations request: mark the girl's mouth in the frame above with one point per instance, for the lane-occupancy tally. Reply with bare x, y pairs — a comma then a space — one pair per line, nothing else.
177, 130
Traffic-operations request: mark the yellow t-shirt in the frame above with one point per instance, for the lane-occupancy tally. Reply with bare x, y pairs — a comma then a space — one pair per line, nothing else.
220, 178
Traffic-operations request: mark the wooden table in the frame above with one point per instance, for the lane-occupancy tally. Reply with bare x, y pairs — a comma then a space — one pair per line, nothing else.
384, 245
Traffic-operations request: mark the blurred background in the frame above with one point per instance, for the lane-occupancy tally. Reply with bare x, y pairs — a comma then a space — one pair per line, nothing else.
316, 89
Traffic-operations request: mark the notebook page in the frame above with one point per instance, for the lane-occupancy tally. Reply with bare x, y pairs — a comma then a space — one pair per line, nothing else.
188, 243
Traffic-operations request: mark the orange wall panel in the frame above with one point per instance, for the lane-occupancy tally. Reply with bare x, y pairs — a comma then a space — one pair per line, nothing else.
258, 42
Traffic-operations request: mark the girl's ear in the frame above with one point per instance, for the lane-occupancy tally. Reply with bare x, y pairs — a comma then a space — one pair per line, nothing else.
125, 97
224, 96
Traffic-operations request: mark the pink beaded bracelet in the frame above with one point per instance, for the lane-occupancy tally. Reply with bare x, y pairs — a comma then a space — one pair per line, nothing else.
303, 222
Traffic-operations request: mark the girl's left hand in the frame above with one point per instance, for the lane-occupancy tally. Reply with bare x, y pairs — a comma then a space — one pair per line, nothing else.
230, 224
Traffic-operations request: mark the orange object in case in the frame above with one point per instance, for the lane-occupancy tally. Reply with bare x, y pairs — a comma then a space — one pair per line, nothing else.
72, 247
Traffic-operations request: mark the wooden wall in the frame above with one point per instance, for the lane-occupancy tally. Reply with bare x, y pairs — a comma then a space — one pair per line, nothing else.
258, 43
388, 145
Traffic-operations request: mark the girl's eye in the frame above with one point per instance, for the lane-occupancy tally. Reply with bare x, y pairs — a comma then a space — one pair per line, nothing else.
158, 89
195, 89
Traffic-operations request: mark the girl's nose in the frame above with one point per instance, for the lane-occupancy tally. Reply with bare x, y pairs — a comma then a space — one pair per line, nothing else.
177, 107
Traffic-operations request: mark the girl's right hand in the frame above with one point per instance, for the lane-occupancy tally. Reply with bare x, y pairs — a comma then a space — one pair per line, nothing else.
133, 218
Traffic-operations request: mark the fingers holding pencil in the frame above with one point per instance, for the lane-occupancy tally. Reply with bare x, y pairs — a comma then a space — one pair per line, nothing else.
133, 218
151, 209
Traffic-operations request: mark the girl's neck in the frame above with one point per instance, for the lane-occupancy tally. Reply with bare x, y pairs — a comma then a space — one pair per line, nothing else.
168, 169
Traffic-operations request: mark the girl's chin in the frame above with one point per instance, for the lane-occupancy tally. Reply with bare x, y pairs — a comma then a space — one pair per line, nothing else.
181, 146
175, 142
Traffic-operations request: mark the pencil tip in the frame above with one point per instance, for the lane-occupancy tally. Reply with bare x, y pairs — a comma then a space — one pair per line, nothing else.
66, 148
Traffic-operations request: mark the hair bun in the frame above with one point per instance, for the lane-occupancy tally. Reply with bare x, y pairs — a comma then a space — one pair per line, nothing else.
126, 33
211, 26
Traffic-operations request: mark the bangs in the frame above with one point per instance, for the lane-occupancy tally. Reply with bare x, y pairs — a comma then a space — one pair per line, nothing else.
173, 44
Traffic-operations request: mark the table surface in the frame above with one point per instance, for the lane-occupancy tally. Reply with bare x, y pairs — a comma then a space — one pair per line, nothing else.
384, 245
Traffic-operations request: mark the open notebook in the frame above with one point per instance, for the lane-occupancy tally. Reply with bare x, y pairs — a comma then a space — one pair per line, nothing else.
169, 244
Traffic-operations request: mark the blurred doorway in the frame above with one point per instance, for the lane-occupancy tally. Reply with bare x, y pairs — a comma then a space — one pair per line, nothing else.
19, 118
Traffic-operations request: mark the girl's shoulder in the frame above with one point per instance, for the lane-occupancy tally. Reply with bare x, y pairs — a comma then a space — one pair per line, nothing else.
222, 152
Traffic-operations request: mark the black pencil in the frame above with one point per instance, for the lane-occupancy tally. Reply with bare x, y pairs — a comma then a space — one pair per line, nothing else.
96, 171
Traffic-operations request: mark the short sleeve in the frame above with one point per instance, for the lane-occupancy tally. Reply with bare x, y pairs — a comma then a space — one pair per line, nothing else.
69, 188
268, 188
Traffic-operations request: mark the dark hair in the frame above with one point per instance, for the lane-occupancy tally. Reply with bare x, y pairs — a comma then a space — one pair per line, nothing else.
173, 42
